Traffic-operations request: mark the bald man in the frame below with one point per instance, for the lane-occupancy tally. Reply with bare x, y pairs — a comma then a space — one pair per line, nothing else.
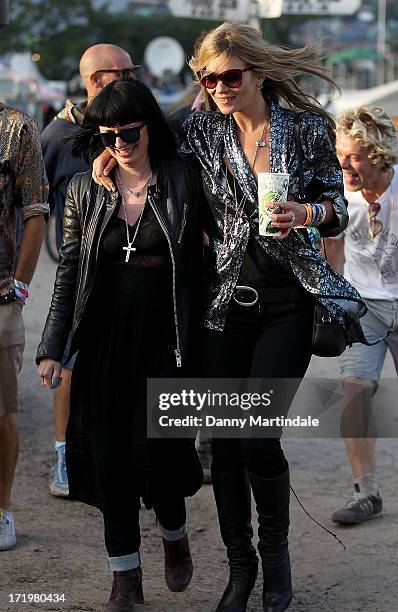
102, 64
99, 65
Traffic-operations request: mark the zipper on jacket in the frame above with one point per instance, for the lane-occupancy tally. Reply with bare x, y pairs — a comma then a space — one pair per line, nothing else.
184, 221
113, 196
177, 351
85, 246
178, 357
92, 223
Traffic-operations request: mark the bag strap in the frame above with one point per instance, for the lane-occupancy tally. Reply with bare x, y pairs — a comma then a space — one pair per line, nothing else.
339, 297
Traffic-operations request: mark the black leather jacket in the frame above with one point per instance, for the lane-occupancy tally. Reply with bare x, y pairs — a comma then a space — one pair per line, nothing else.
176, 201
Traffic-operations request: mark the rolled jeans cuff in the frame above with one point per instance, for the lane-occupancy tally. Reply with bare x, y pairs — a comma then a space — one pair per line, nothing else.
172, 536
125, 563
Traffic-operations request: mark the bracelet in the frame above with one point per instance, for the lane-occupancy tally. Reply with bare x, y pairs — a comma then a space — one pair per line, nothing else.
320, 215
315, 217
324, 212
21, 295
21, 285
310, 214
316, 213
21, 290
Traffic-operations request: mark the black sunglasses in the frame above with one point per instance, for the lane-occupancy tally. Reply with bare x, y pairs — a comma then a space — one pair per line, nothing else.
121, 72
129, 136
231, 78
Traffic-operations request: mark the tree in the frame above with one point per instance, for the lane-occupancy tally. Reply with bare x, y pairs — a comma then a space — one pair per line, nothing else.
55, 30
61, 30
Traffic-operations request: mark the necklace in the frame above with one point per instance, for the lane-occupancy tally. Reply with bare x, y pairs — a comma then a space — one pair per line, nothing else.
260, 143
231, 228
136, 194
130, 248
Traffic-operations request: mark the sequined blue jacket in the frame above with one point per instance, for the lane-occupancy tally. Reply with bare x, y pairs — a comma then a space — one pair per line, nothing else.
211, 136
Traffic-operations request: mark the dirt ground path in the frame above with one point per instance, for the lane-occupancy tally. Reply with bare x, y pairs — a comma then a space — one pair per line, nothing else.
60, 546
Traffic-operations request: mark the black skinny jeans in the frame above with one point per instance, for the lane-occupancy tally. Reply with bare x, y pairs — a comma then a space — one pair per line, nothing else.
122, 523
267, 340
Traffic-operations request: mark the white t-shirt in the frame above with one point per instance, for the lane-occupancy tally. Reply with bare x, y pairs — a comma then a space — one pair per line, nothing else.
372, 263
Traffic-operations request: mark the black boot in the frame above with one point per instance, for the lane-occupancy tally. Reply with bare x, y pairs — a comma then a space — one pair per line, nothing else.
272, 497
233, 500
126, 591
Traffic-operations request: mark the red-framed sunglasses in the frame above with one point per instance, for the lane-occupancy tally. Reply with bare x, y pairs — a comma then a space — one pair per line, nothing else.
231, 78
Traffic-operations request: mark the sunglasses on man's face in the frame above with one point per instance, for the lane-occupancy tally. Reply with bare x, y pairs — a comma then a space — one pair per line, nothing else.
231, 78
129, 136
120, 72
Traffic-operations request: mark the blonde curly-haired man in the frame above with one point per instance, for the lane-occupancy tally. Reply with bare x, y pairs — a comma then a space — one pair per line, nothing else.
367, 148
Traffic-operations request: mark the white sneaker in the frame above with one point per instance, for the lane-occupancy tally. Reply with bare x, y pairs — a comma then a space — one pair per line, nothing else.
59, 485
8, 539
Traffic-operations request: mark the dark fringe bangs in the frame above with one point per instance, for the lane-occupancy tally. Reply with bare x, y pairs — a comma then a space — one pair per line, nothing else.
122, 102
116, 106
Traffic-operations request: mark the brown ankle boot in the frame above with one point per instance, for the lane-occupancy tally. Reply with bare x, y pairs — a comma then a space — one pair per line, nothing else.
178, 566
126, 590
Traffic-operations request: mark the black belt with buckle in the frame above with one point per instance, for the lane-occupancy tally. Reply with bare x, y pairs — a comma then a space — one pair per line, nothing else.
248, 296
245, 296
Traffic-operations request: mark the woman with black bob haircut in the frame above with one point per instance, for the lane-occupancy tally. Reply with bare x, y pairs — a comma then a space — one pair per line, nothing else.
126, 98
125, 290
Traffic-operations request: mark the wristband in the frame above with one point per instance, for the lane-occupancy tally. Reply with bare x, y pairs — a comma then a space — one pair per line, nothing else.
20, 285
317, 214
21, 295
320, 213
21, 290
310, 214
324, 212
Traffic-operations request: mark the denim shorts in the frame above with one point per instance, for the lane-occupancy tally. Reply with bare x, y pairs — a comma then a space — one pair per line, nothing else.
361, 361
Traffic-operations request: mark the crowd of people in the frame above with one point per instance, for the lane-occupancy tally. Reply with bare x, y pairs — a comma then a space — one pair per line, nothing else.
163, 273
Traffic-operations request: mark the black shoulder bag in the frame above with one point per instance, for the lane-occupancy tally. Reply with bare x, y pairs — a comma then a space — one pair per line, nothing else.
329, 337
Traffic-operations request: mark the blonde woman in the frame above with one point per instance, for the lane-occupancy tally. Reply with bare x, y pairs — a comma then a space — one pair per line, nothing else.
260, 299
264, 331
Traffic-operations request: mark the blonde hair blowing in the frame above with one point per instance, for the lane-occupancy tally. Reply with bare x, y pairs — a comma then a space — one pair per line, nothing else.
373, 129
278, 66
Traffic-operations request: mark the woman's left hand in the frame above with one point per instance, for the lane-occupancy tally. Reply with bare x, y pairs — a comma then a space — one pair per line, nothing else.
49, 371
293, 215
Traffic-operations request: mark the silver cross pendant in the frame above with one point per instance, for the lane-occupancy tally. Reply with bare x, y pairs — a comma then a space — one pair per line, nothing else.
129, 249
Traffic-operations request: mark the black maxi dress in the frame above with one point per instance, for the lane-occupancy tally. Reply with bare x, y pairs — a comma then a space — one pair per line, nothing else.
127, 335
